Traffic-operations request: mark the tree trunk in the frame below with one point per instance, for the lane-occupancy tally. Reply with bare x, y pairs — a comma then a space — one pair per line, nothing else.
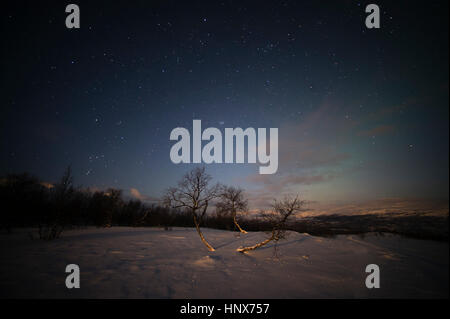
244, 249
237, 225
197, 226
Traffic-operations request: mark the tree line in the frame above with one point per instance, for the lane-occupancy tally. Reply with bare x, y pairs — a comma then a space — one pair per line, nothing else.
28, 202
53, 208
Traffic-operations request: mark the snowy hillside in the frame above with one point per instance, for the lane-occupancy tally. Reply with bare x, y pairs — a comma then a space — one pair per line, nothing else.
124, 262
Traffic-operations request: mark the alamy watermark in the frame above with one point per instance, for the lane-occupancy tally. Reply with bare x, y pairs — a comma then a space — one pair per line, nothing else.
73, 279
260, 146
373, 280
373, 19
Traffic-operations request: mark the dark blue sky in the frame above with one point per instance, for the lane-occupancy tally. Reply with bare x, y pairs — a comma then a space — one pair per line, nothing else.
362, 114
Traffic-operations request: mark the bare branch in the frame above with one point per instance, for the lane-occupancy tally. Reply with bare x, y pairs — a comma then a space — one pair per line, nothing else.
282, 210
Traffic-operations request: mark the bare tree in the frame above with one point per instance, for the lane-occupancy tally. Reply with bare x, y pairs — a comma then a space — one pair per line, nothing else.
232, 200
282, 210
55, 222
194, 194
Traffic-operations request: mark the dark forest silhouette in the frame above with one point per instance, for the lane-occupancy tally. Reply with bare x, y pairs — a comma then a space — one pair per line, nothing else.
27, 201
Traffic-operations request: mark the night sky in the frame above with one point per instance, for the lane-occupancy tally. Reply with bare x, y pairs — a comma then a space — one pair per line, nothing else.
362, 113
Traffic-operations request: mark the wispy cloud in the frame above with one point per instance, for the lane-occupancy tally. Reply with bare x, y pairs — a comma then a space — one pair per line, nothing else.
315, 141
278, 182
378, 130
275, 186
137, 194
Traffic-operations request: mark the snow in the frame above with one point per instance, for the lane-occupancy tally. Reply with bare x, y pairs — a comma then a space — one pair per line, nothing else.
125, 262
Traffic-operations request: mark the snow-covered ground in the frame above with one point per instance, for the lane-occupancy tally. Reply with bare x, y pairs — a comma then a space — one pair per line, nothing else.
124, 262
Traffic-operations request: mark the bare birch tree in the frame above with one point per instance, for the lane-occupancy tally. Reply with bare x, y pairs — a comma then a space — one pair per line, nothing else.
194, 194
232, 200
282, 210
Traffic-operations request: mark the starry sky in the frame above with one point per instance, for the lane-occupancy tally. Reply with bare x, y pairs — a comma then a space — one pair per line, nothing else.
362, 113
